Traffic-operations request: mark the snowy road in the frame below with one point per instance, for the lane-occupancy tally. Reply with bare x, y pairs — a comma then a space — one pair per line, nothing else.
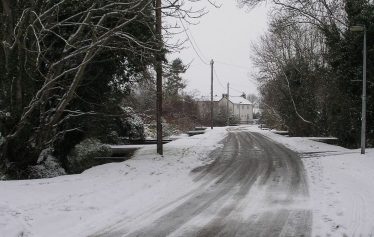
255, 187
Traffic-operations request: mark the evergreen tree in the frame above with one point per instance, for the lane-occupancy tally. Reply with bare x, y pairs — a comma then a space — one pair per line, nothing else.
174, 83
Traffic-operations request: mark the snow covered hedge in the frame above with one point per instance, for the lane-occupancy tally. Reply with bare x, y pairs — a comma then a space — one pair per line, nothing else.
150, 130
116, 130
48, 166
2, 175
83, 155
132, 125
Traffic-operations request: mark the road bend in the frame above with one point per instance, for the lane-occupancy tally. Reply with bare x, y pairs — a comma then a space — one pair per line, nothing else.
254, 187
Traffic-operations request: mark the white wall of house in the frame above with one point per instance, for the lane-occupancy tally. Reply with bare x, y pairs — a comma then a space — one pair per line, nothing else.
243, 111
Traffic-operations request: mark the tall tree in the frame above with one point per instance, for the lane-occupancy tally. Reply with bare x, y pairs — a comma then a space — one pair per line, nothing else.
174, 83
338, 64
64, 61
51, 52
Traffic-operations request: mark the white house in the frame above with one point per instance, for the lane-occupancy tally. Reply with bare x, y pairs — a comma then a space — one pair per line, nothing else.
238, 106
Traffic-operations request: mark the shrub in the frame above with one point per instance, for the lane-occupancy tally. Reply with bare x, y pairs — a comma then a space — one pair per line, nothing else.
47, 166
83, 155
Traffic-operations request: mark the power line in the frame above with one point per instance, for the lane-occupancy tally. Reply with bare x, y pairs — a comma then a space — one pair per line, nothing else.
238, 66
219, 81
221, 84
236, 90
201, 56
192, 42
233, 65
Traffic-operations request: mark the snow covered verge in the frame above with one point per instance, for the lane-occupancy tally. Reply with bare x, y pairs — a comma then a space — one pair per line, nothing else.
341, 189
79, 205
341, 185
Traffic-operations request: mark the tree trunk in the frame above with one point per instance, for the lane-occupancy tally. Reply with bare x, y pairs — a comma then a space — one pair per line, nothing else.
72, 89
7, 29
19, 91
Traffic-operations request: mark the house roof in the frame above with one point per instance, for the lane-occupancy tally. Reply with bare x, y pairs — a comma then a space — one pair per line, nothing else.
233, 99
239, 100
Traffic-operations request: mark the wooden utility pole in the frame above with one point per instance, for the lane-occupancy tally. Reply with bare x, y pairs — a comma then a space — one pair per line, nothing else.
363, 120
362, 28
158, 68
211, 94
227, 105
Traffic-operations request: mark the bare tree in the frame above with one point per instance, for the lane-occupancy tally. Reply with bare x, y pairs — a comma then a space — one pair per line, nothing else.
288, 57
46, 47
320, 13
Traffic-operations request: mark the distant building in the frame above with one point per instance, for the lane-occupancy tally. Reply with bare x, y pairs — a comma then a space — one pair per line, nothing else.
238, 106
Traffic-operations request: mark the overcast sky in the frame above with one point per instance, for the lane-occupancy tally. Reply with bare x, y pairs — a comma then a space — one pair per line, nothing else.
224, 35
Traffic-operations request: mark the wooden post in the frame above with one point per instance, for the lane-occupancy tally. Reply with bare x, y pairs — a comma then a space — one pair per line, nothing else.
227, 108
211, 94
158, 68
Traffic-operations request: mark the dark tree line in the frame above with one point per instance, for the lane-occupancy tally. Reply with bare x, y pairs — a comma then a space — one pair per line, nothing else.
63, 65
310, 66
66, 69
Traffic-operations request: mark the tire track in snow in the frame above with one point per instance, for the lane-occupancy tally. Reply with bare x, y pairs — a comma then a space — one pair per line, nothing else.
255, 187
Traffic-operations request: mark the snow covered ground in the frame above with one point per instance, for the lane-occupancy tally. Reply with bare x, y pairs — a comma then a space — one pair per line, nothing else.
79, 205
341, 183
341, 189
